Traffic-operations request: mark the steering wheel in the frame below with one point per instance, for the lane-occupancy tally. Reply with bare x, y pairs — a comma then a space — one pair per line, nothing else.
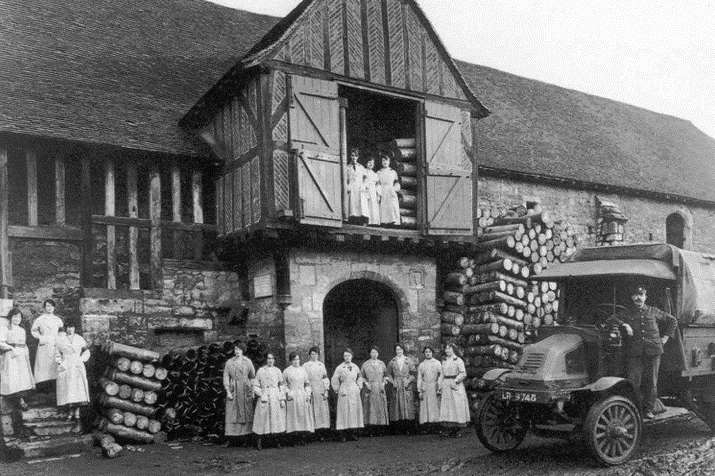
601, 313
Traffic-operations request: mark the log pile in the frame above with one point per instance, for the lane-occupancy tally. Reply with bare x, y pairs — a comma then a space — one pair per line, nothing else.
194, 397
404, 153
490, 304
129, 391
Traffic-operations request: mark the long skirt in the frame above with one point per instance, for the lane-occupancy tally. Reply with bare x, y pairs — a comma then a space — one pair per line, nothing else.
321, 410
72, 387
429, 404
349, 411
402, 403
299, 414
454, 407
15, 372
269, 416
374, 403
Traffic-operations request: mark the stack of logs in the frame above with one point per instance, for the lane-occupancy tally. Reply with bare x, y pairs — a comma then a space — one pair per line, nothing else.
490, 304
194, 395
404, 152
130, 390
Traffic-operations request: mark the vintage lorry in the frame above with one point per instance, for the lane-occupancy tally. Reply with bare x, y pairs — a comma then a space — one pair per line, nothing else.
571, 377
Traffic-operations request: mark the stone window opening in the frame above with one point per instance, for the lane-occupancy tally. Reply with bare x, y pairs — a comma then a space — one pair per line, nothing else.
678, 230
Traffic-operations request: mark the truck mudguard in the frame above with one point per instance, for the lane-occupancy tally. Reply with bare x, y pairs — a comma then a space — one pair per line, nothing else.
494, 374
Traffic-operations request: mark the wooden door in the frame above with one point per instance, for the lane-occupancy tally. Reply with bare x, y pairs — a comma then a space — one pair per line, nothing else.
448, 172
315, 141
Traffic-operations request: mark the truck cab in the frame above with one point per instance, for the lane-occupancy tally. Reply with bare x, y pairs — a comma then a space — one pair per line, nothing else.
571, 377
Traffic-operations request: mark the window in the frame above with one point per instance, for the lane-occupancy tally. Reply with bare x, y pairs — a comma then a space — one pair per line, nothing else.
675, 230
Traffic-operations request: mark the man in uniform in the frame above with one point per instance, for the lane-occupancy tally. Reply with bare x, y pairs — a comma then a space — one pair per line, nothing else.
643, 325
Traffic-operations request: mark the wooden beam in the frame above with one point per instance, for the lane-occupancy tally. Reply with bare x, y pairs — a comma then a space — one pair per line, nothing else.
110, 210
133, 208
60, 207
46, 233
155, 231
4, 238
86, 200
31, 163
197, 196
198, 207
475, 175
176, 208
121, 221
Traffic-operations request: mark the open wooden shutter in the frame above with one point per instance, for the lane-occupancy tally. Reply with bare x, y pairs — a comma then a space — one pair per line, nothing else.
448, 169
315, 139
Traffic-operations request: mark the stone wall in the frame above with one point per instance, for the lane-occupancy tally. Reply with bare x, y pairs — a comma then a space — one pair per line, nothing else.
194, 303
314, 273
646, 217
45, 270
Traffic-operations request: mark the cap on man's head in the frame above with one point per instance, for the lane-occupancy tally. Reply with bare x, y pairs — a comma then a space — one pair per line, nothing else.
640, 289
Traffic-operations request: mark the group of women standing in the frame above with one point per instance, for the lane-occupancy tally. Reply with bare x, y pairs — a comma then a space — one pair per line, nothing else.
60, 358
374, 395
372, 196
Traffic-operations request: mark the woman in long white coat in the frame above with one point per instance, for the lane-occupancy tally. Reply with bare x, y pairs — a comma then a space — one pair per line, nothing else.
356, 189
270, 415
454, 406
320, 385
45, 329
15, 371
371, 189
347, 382
428, 374
238, 375
72, 388
388, 186
299, 414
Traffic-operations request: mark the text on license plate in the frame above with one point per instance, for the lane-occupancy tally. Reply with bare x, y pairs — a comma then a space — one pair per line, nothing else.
518, 396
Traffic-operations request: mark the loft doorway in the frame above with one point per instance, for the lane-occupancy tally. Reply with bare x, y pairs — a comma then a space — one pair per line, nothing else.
358, 314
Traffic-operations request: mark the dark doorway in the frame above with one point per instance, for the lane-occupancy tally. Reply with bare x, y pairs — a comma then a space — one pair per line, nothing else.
359, 314
675, 230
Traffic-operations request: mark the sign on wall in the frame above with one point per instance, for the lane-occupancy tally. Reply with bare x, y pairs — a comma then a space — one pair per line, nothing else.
263, 286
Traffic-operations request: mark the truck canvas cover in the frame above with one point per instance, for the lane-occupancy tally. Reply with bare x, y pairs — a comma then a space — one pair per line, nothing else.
698, 305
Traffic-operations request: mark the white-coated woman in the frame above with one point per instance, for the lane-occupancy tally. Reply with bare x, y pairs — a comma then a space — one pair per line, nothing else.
454, 406
15, 371
355, 187
45, 329
371, 189
428, 374
388, 186
401, 374
320, 385
299, 413
347, 382
238, 375
71, 353
269, 418
374, 403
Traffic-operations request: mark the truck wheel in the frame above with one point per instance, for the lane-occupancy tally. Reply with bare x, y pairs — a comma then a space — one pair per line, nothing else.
498, 426
613, 430
707, 414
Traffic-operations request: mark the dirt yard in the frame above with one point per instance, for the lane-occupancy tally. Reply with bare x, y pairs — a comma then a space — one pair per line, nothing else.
683, 447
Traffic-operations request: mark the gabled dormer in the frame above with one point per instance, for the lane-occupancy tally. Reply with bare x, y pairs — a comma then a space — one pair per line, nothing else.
331, 76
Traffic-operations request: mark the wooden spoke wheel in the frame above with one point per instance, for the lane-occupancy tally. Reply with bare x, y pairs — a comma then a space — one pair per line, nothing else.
613, 430
498, 425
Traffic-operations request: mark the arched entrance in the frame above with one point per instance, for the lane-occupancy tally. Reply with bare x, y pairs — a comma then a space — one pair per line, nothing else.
675, 230
359, 313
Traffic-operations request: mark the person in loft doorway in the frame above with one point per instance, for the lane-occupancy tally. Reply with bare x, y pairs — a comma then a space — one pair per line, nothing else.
644, 347
356, 188
388, 187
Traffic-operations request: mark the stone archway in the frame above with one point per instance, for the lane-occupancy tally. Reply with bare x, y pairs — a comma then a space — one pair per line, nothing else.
679, 230
359, 313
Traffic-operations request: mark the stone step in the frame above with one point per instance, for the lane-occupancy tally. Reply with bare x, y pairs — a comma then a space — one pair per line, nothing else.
42, 413
57, 446
41, 399
53, 427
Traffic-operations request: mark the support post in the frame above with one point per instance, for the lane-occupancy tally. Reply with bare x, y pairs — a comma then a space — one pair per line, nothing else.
60, 214
31, 162
4, 237
345, 153
133, 208
475, 177
176, 208
110, 210
197, 200
155, 230
86, 199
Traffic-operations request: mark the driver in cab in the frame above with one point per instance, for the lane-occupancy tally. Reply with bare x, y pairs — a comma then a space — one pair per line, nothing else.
644, 347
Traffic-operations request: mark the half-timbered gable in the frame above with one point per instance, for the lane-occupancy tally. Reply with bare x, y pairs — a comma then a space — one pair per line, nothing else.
332, 76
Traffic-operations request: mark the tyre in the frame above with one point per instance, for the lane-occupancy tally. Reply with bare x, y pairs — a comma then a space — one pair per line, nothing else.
498, 426
613, 429
707, 414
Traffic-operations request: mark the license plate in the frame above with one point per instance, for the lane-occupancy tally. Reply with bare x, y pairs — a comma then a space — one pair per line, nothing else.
518, 396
